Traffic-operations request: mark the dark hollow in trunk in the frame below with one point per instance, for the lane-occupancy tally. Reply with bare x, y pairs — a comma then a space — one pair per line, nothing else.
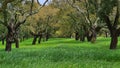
76, 36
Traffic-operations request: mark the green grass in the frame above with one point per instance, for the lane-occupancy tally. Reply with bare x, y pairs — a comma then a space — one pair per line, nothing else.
61, 53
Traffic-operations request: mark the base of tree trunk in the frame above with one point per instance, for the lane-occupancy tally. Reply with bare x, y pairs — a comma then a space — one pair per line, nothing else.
114, 41
89, 38
93, 40
17, 43
8, 46
39, 40
82, 38
76, 36
34, 40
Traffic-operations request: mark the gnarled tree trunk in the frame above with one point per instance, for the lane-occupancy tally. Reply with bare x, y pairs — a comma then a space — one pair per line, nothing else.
94, 36
89, 36
114, 40
9, 41
11, 37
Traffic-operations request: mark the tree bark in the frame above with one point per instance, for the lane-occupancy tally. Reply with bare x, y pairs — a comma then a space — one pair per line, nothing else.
47, 36
94, 36
39, 40
34, 40
8, 46
89, 36
3, 41
16, 42
82, 38
8, 43
114, 40
9, 38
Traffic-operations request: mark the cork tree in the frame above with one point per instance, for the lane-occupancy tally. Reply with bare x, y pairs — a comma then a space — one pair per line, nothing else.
15, 13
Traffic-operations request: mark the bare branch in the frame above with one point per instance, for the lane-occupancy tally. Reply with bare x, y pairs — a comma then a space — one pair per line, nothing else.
108, 22
36, 11
31, 7
43, 3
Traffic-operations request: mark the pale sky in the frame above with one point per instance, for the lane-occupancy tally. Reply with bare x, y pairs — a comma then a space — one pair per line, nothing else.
42, 1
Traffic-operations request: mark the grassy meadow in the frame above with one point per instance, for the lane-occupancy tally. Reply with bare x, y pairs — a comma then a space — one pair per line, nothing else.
61, 53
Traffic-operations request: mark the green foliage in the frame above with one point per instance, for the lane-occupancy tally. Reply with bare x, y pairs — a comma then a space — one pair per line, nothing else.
65, 53
106, 6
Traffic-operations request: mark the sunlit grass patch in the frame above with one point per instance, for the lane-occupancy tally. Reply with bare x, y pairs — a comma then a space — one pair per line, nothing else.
61, 53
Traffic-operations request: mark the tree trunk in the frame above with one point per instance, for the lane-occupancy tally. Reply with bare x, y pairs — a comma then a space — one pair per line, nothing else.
16, 42
114, 41
8, 44
34, 40
106, 34
94, 36
39, 40
89, 37
47, 36
82, 38
9, 39
3, 38
76, 36
3, 41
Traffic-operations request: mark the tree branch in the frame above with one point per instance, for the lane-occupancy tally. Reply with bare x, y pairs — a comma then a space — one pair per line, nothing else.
4, 4
20, 22
116, 18
26, 15
107, 21
80, 10
34, 34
